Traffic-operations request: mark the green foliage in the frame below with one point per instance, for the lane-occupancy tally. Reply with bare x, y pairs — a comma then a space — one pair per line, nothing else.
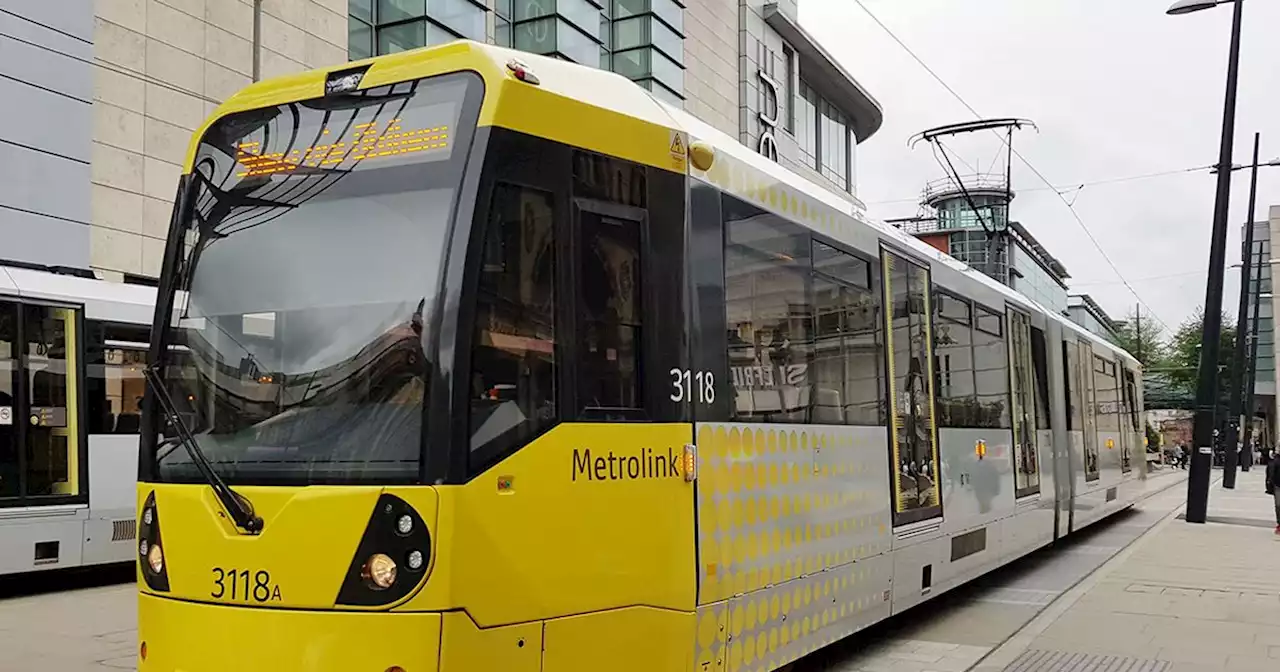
1183, 363
1141, 337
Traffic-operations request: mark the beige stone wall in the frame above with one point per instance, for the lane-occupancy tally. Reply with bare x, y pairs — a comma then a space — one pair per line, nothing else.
163, 67
711, 59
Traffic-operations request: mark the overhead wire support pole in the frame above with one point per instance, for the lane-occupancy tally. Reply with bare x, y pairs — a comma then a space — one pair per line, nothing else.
1203, 426
1231, 457
994, 233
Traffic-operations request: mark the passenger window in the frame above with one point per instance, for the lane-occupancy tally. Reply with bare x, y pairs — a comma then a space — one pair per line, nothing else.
991, 370
1040, 361
848, 351
1027, 465
608, 309
1106, 393
513, 388
115, 356
953, 362
769, 315
10, 467
913, 438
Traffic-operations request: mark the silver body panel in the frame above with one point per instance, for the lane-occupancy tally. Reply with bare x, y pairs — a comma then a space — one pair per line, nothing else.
101, 531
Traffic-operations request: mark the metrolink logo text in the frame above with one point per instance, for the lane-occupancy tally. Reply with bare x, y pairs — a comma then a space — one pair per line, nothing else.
645, 463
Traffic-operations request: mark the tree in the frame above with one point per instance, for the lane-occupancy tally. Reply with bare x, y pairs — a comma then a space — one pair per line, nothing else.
1141, 338
1183, 363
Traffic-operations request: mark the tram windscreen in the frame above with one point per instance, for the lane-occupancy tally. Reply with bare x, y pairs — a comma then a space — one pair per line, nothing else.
309, 270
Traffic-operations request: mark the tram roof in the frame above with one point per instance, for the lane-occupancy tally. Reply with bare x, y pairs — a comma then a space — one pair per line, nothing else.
611, 92
102, 300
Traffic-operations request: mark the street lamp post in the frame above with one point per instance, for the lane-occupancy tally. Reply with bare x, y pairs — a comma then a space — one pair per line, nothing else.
1207, 388
1230, 458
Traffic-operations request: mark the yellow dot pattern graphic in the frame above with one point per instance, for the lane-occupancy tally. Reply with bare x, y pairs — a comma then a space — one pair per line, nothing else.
793, 539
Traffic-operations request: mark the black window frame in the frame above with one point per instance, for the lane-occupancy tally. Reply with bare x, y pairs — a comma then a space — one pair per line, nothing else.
21, 402
545, 165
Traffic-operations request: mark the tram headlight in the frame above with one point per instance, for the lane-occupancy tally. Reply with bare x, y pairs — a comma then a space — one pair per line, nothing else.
150, 556
380, 571
155, 558
392, 558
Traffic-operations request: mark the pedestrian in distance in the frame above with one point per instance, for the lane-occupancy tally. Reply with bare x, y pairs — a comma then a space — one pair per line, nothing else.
1273, 487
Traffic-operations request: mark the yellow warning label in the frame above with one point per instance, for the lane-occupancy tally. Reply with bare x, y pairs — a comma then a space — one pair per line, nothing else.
677, 144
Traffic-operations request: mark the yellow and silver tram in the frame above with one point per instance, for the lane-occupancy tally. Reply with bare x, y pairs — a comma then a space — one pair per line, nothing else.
466, 359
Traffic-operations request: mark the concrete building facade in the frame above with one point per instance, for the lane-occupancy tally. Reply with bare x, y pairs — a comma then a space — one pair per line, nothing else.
1264, 389
101, 99
159, 69
102, 96
1084, 311
743, 66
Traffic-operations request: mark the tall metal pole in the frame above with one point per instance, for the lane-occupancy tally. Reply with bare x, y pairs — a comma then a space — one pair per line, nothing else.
1137, 330
1230, 457
1207, 389
1253, 356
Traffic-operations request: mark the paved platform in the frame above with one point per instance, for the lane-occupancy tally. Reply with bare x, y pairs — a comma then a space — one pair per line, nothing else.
1184, 598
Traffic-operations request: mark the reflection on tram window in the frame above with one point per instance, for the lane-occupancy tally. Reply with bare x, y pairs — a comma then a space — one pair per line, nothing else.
769, 316
957, 404
913, 435
514, 359
608, 307
991, 370
52, 434
116, 355
1027, 466
10, 483
848, 347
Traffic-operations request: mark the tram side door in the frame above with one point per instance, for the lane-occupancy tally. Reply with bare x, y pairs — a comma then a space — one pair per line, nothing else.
40, 453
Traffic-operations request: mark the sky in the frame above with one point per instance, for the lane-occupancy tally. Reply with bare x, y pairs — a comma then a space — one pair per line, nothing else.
1116, 88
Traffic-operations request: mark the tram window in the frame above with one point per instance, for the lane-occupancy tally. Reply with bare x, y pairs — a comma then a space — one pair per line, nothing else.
115, 356
514, 354
10, 482
953, 362
49, 358
1027, 466
769, 315
912, 436
1040, 362
848, 353
608, 306
991, 370
1073, 388
1106, 394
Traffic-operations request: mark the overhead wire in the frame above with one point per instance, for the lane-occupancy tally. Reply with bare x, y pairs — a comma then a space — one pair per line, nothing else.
1034, 170
1092, 183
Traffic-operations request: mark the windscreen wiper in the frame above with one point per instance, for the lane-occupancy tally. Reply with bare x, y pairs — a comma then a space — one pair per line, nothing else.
239, 507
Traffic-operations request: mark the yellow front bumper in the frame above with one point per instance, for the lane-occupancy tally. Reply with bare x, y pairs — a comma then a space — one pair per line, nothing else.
192, 637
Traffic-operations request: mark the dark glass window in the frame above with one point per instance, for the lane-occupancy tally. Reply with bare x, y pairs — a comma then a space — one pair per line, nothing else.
514, 361
848, 349
957, 404
115, 356
10, 463
769, 315
1027, 472
913, 438
609, 314
1040, 360
1106, 393
991, 370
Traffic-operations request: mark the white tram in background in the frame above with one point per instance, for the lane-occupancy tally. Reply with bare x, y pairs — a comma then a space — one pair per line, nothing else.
72, 350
